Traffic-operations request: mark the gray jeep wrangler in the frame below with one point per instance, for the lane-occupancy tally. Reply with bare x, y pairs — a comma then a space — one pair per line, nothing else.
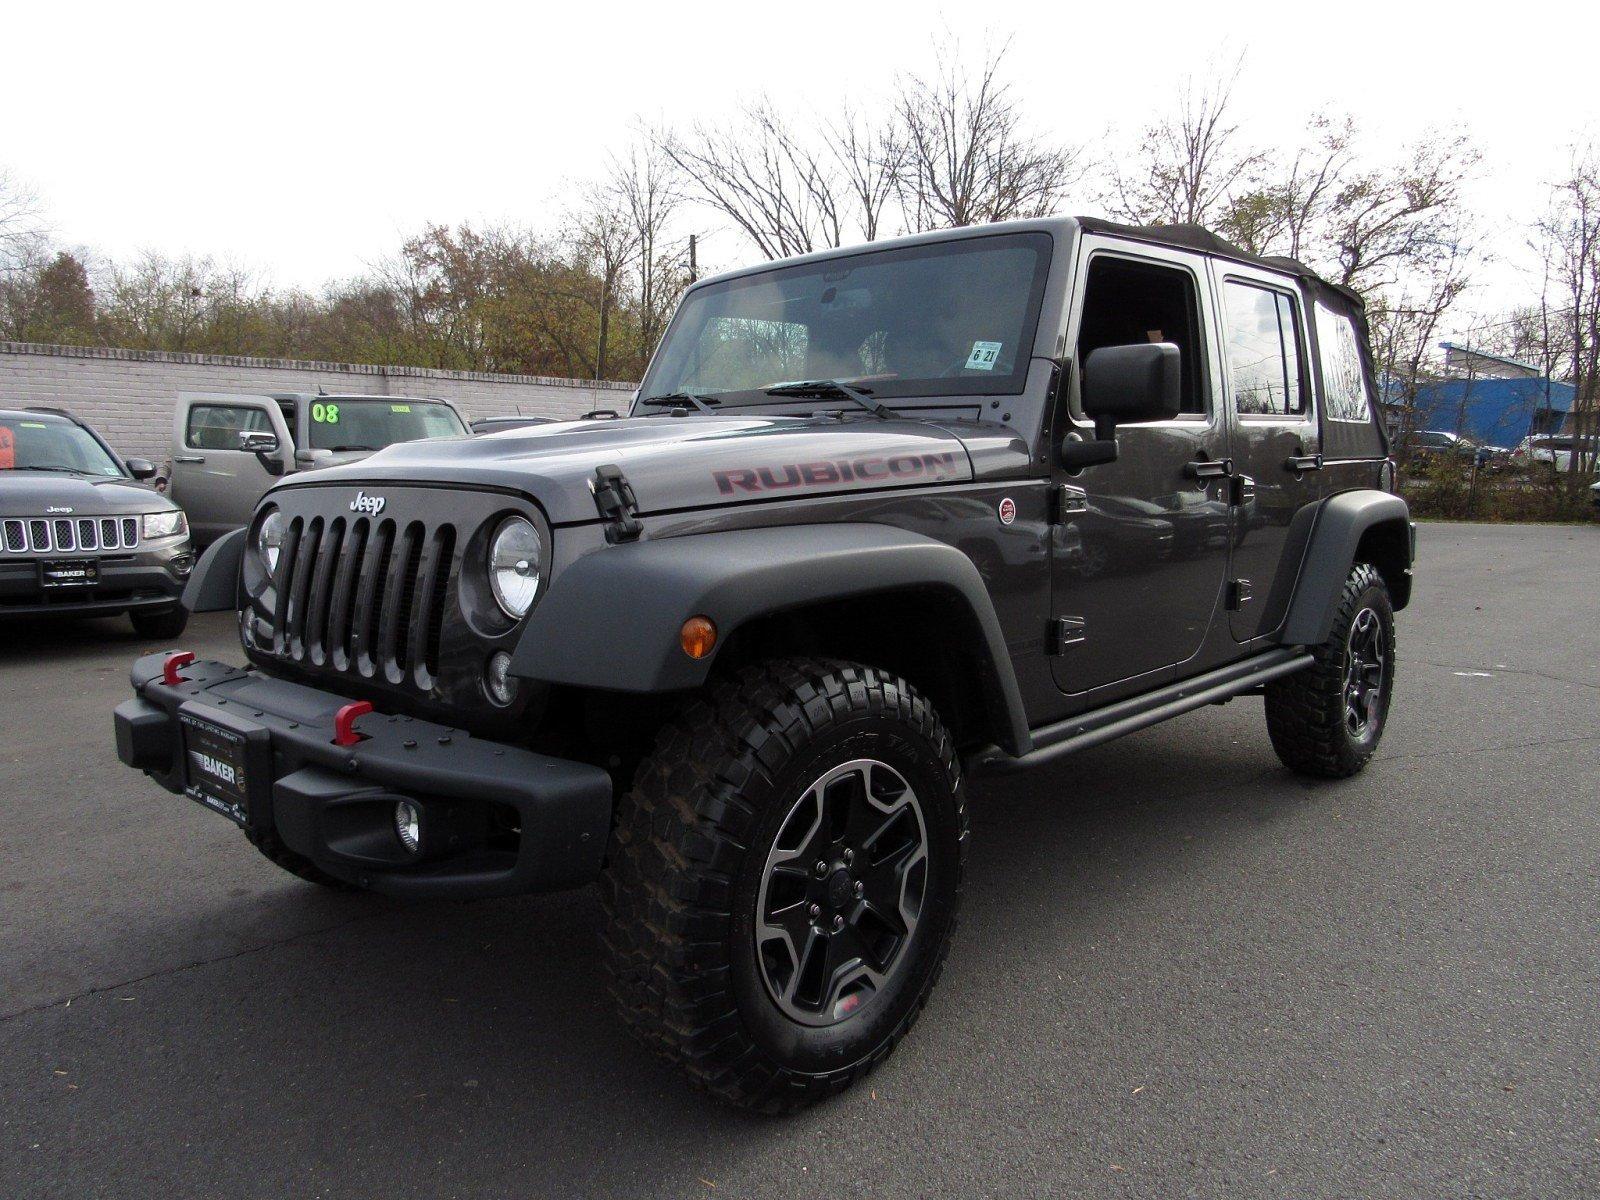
879, 521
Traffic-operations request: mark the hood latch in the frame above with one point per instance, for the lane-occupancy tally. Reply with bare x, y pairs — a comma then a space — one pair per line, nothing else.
614, 498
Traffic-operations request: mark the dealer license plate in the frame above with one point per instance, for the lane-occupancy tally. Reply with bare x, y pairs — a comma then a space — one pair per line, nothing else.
69, 572
215, 762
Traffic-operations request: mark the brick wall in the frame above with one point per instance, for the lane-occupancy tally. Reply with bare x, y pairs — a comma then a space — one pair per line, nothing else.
130, 395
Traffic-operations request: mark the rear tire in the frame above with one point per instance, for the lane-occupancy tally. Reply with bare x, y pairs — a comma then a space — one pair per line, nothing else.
747, 933
160, 623
1327, 719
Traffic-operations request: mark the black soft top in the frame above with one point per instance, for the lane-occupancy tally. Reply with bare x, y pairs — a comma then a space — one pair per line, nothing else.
1198, 238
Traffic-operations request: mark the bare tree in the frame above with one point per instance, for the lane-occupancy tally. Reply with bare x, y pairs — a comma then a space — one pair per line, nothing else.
1190, 165
870, 156
649, 189
1286, 214
1569, 238
967, 156
782, 192
22, 230
607, 241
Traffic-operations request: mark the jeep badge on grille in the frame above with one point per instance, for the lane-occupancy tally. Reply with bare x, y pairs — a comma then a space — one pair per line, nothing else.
363, 503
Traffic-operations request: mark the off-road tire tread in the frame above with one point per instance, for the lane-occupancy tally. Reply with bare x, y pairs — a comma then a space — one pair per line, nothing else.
677, 847
1305, 711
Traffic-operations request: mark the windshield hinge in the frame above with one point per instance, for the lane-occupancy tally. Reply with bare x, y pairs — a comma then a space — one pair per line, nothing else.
614, 498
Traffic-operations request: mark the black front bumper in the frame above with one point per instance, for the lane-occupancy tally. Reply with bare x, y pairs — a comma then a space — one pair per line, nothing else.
496, 820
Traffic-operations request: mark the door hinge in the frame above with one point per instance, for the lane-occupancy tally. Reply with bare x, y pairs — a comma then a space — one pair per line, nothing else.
1244, 490
614, 498
1065, 632
1069, 502
1239, 593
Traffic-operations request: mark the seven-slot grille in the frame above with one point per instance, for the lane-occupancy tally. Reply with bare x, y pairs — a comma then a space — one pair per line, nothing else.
363, 594
68, 535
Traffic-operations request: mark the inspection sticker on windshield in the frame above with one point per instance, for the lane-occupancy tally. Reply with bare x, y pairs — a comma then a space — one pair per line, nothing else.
983, 356
399, 408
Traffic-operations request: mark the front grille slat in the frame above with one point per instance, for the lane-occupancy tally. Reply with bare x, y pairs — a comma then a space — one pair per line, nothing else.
16, 537
300, 587
108, 533
428, 585
39, 537
342, 606
88, 535
281, 580
398, 592
369, 596
65, 535
130, 532
321, 584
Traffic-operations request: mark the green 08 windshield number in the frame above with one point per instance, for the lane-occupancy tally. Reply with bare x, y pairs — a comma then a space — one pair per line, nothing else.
325, 414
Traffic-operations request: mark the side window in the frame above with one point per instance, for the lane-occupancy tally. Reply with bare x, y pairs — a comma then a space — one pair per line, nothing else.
1127, 301
1263, 351
1343, 379
217, 426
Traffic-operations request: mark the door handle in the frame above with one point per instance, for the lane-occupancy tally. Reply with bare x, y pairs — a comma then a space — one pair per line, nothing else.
1210, 468
1303, 462
189, 458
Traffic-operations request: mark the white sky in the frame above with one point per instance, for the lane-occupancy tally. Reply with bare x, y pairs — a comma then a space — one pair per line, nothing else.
304, 140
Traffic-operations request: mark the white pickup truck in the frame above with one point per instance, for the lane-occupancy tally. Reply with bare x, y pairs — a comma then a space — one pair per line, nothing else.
229, 448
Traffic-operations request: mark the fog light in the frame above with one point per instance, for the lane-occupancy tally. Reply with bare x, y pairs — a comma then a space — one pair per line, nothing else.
408, 825
497, 678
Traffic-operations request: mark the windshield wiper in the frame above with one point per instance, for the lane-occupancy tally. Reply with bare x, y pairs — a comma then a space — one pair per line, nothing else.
824, 388
342, 449
52, 467
681, 400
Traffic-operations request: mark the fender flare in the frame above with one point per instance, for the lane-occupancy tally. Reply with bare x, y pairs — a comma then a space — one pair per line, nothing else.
1336, 536
214, 584
612, 618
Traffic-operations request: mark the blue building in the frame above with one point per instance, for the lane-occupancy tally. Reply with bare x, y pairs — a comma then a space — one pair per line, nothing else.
1498, 412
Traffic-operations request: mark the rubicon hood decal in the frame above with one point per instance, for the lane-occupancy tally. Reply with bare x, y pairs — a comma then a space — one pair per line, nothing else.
675, 463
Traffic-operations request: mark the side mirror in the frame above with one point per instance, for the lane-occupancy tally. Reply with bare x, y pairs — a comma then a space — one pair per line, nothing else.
1124, 385
141, 468
258, 441
264, 445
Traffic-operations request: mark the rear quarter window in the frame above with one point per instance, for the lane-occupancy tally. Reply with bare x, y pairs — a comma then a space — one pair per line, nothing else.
1343, 380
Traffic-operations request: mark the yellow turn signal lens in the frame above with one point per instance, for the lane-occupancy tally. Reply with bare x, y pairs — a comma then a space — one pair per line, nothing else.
697, 636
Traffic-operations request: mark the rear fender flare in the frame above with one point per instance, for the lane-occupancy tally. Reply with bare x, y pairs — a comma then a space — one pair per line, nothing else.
611, 620
1342, 521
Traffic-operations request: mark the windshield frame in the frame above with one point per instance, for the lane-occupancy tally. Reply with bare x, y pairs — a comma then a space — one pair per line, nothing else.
88, 435
931, 392
313, 426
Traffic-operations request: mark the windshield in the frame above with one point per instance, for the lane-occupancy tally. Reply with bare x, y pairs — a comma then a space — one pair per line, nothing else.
345, 424
46, 444
941, 319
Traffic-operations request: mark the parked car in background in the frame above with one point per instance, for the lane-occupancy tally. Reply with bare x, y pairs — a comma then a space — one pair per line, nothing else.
230, 448
80, 534
495, 424
1552, 449
1426, 444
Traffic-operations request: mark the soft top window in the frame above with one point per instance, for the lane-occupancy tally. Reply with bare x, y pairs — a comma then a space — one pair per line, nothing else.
1343, 380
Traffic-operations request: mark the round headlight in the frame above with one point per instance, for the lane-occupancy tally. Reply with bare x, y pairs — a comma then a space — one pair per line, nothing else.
269, 540
516, 562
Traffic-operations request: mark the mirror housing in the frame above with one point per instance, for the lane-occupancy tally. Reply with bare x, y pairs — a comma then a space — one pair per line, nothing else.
140, 468
264, 445
1125, 385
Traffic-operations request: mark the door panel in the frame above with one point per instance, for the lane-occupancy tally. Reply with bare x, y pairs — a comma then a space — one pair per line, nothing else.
215, 483
1142, 543
1274, 439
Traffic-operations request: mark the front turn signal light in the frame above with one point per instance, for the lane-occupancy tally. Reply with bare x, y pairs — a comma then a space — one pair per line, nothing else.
697, 637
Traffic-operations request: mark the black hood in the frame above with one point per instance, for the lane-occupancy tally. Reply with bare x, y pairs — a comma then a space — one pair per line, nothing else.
25, 493
688, 462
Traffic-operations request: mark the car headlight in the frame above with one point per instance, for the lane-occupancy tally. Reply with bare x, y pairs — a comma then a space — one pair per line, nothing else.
516, 563
269, 540
165, 524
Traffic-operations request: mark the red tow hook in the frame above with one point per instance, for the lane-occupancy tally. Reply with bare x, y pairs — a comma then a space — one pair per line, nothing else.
344, 723
169, 669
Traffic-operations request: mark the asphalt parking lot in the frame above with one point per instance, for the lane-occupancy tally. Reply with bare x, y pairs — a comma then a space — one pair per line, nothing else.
1183, 972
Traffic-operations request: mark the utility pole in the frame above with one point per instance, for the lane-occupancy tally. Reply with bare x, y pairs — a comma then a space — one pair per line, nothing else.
694, 266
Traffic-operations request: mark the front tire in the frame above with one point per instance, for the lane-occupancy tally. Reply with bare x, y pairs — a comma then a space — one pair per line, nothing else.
1327, 719
784, 879
161, 623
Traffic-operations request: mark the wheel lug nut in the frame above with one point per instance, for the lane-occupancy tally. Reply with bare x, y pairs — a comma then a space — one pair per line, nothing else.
815, 911
860, 888
838, 922
821, 868
849, 857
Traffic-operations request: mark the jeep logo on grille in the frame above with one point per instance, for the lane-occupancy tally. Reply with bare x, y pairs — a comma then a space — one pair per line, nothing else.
371, 505
58, 508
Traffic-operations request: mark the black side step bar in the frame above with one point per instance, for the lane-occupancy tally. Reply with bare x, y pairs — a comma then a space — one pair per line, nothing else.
1051, 742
